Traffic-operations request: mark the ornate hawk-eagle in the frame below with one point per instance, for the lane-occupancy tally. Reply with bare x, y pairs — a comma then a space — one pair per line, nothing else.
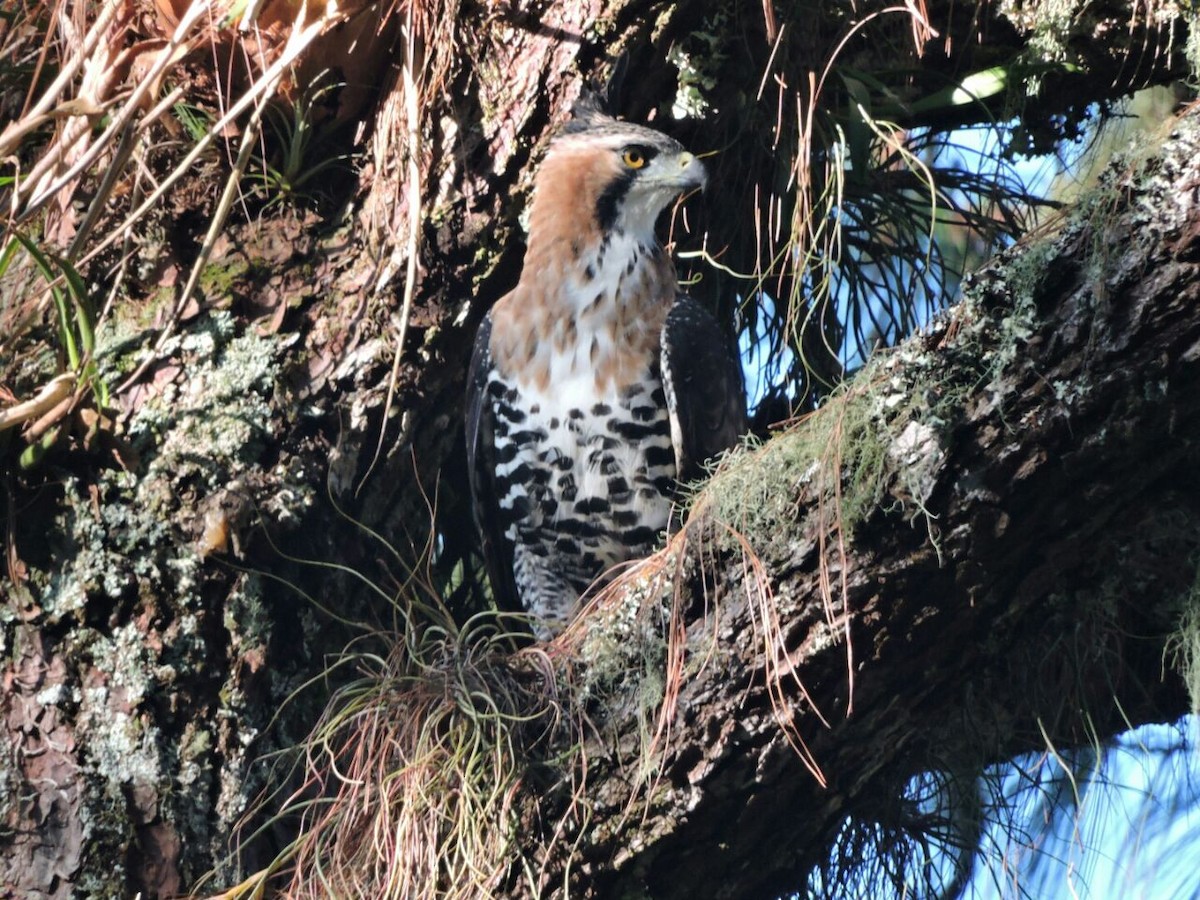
596, 385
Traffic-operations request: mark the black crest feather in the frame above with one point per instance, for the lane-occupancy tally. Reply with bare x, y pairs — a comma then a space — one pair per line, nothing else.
598, 103
588, 112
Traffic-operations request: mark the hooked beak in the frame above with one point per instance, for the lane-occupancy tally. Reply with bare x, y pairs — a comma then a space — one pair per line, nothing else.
692, 173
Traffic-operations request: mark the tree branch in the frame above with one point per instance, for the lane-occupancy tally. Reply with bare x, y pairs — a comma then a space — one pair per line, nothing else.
1015, 583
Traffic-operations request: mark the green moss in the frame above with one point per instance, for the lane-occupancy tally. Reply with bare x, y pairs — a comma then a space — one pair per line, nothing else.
837, 456
106, 880
247, 619
219, 279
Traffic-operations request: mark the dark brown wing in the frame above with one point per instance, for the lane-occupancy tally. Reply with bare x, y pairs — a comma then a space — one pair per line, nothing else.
481, 463
703, 384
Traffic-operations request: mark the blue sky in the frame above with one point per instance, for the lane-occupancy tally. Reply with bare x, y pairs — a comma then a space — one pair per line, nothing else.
1130, 832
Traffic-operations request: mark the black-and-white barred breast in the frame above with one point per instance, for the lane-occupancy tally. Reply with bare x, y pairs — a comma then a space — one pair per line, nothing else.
583, 483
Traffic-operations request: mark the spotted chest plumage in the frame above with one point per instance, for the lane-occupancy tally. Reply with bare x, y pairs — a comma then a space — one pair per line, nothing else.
583, 482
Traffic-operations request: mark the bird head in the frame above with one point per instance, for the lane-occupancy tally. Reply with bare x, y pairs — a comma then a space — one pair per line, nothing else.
618, 176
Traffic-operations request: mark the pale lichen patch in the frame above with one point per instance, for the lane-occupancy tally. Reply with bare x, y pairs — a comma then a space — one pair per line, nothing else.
122, 745
918, 455
624, 638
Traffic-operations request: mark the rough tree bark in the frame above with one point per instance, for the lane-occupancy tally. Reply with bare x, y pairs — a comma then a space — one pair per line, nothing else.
147, 655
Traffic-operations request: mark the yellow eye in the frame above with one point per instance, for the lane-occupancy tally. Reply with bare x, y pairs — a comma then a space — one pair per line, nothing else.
633, 157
